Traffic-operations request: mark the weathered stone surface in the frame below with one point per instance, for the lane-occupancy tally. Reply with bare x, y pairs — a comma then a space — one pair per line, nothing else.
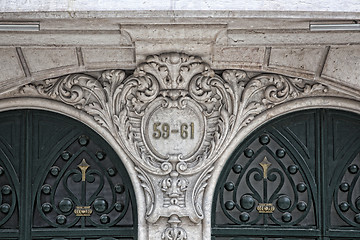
265, 37
40, 59
59, 38
343, 65
296, 59
238, 56
10, 66
108, 5
97, 57
185, 16
201, 32
143, 48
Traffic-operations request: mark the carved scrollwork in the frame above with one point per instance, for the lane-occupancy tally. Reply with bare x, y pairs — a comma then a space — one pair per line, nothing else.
253, 95
279, 88
217, 100
119, 103
173, 70
198, 194
149, 191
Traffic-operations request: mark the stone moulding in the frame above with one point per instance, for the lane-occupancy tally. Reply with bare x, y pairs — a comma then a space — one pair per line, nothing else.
174, 116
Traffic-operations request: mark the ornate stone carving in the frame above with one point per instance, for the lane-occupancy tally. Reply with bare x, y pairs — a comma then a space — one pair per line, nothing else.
254, 95
174, 232
149, 191
174, 188
198, 192
174, 116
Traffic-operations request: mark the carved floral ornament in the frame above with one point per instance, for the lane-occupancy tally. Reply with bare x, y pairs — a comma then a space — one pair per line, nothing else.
174, 116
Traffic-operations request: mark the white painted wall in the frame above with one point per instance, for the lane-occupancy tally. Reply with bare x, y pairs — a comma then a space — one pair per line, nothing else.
119, 5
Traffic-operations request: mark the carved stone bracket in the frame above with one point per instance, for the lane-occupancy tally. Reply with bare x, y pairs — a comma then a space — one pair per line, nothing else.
174, 116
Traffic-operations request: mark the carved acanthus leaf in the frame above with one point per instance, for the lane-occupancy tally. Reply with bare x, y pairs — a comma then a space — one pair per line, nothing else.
173, 70
198, 194
149, 191
82, 91
255, 95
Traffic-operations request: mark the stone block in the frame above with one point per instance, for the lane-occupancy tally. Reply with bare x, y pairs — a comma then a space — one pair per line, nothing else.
65, 38
10, 66
108, 56
280, 38
296, 59
244, 56
41, 59
172, 32
343, 64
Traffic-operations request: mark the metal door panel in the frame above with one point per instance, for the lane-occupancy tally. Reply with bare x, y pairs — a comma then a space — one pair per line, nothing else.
296, 176
72, 184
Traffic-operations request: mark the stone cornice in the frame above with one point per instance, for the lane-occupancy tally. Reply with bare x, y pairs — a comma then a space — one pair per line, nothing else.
178, 15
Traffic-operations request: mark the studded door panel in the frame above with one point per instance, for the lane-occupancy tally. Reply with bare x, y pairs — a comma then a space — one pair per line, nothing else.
72, 185
298, 176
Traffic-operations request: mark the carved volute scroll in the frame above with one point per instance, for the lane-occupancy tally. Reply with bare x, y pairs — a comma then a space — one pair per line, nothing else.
174, 116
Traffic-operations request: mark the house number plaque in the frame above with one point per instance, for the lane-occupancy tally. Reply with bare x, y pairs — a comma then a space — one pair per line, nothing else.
174, 129
163, 130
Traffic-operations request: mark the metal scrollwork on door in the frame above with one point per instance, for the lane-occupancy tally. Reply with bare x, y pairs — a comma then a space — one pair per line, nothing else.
266, 186
82, 188
347, 194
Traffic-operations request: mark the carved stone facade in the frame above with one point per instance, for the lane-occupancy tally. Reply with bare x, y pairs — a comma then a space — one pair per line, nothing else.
174, 117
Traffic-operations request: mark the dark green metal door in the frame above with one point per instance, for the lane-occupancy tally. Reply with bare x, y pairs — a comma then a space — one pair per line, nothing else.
60, 180
295, 178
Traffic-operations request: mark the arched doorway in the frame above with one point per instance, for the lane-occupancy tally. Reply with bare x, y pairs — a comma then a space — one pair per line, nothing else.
60, 180
297, 177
